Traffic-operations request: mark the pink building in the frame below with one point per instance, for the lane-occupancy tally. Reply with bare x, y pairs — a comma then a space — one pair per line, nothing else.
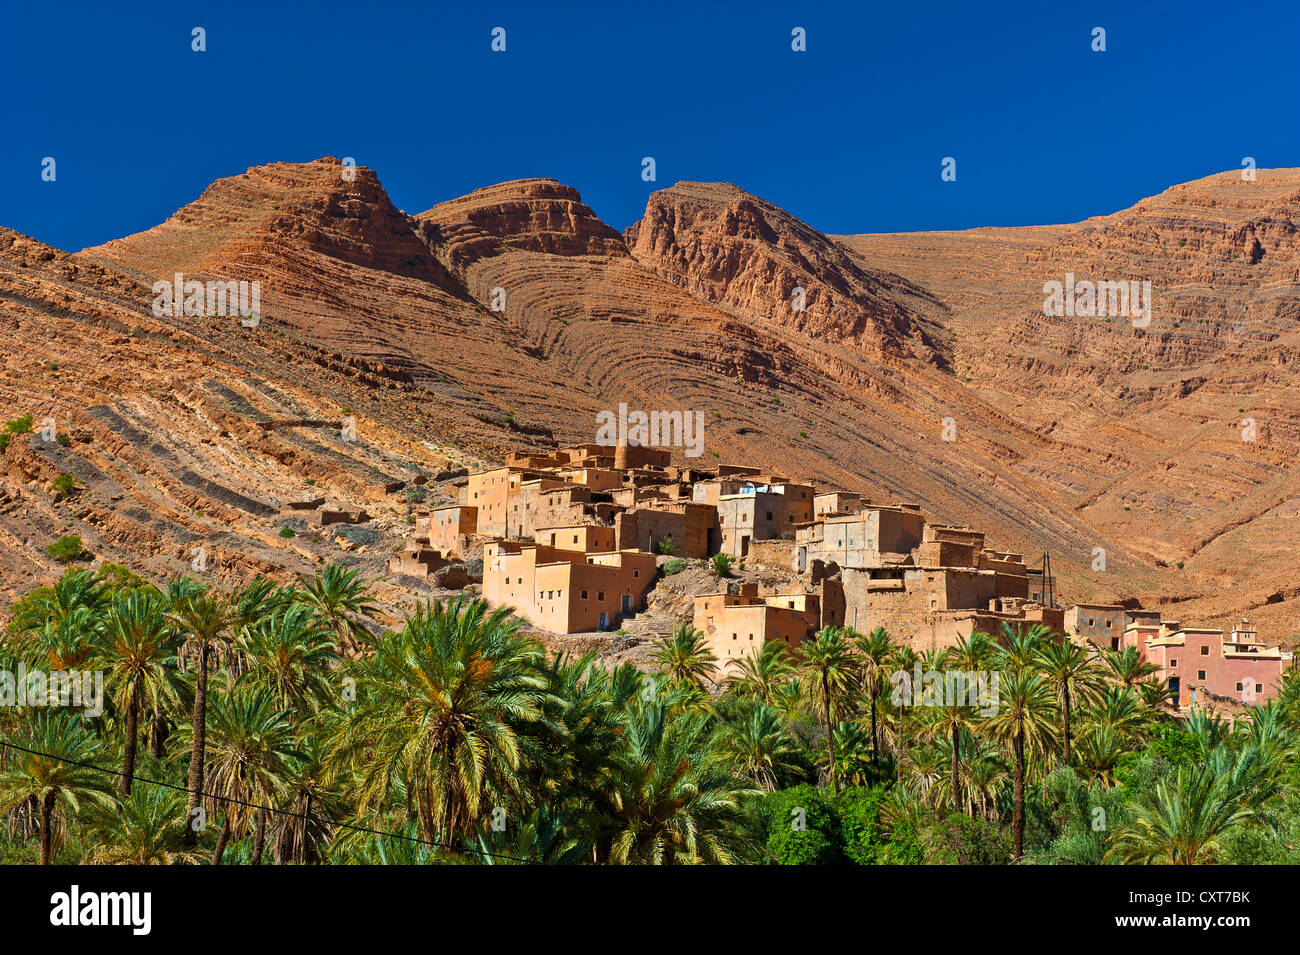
1197, 663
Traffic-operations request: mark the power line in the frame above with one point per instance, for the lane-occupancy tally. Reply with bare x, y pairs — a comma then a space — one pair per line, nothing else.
250, 805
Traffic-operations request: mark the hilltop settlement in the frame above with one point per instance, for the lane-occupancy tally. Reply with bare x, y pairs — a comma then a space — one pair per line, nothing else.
574, 540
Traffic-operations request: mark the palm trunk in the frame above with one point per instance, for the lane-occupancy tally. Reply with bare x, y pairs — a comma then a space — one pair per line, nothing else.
222, 838
875, 744
956, 792
1065, 719
259, 836
199, 740
47, 817
830, 734
159, 735
1018, 799
132, 739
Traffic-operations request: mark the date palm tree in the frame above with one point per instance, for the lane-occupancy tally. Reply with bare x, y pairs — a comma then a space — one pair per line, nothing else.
439, 709
759, 747
252, 754
950, 723
138, 656
827, 662
1024, 724
1128, 666
147, 827
1182, 820
675, 797
875, 656
340, 596
1073, 672
50, 766
204, 620
761, 673
685, 658
289, 650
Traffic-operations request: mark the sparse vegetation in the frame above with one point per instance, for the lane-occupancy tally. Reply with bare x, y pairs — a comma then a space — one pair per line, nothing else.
720, 564
21, 425
66, 549
63, 486
674, 566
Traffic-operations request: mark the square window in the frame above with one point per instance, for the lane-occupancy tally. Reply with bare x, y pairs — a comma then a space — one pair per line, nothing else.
600, 595
1205, 651
584, 595
1200, 674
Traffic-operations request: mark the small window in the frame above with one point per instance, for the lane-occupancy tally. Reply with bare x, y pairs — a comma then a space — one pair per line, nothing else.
1239, 685
1205, 651
1200, 674
584, 595
1173, 664
575, 538
600, 595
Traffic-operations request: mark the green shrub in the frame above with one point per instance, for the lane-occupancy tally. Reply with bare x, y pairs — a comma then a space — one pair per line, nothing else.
674, 566
287, 532
63, 486
666, 546
720, 564
859, 810
21, 425
67, 548
802, 827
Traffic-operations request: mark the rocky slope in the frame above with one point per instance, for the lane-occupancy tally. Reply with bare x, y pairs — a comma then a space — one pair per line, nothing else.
1069, 435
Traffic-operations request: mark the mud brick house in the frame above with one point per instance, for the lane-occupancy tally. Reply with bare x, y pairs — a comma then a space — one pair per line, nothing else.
836, 502
416, 560
735, 625
489, 492
1201, 664
862, 539
628, 457
588, 538
1105, 625
692, 528
927, 584
566, 591
450, 527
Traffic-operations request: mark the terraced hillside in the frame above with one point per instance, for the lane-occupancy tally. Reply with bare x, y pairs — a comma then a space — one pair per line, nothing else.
510, 317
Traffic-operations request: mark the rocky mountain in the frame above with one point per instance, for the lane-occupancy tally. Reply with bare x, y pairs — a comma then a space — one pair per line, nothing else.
511, 316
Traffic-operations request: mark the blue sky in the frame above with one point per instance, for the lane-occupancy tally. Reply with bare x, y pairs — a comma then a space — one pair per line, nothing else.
848, 135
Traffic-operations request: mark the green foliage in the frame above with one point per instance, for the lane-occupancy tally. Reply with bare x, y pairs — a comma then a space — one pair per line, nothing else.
66, 549
720, 564
674, 566
861, 833
63, 486
21, 425
957, 839
802, 827
666, 546
287, 532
